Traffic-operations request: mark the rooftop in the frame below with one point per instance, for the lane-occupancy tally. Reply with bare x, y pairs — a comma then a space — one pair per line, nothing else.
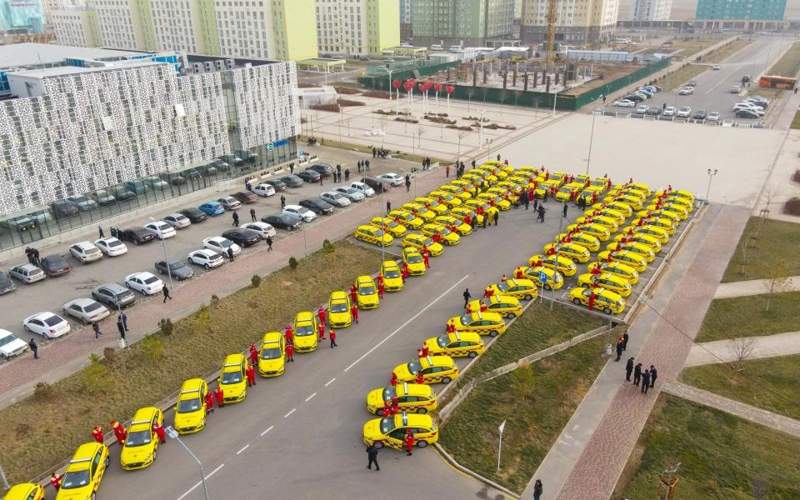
24, 54
56, 71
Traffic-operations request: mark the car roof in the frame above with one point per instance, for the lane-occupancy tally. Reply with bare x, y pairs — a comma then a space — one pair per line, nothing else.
271, 337
26, 267
83, 456
338, 295
438, 361
140, 274
205, 251
41, 316
144, 414
84, 244
191, 385
82, 301
414, 389
235, 358
304, 316
366, 279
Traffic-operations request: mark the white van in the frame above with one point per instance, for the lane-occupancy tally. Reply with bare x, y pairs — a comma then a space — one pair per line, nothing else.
264, 190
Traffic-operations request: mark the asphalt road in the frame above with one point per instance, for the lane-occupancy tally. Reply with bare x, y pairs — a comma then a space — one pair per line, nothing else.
299, 436
713, 86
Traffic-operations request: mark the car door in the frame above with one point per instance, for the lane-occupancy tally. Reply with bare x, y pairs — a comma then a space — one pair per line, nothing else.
76, 311
36, 325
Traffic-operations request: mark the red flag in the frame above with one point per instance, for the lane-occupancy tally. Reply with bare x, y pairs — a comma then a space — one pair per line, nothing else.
450, 89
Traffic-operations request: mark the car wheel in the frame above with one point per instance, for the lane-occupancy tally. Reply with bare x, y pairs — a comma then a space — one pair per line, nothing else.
207, 266
547, 287
422, 444
607, 311
510, 315
577, 302
446, 380
528, 297
472, 354
493, 333
422, 411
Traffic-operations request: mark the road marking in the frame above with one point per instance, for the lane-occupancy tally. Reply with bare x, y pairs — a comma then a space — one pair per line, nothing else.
290, 412
329, 382
267, 430
409, 320
310, 397
214, 471
243, 448
198, 483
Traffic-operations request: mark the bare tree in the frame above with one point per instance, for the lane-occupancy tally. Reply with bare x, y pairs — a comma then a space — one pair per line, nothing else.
777, 281
522, 380
742, 349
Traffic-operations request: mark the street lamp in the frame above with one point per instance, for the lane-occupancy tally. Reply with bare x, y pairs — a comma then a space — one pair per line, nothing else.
711, 173
173, 434
591, 141
166, 260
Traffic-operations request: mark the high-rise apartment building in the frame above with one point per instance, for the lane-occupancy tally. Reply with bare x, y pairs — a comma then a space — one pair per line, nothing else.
357, 27
472, 22
652, 10
21, 16
76, 27
741, 10
577, 21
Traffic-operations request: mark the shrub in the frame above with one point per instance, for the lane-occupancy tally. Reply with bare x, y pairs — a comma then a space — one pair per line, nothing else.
214, 301
110, 354
328, 246
293, 263
255, 281
792, 207
42, 391
166, 327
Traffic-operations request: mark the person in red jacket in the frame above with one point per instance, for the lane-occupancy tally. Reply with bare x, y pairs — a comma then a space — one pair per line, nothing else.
519, 274
404, 272
381, 289
354, 312
409, 442
424, 351
591, 301
596, 271
251, 375
290, 352
333, 338
55, 481
420, 378
488, 292
321, 314
450, 328
119, 432
426, 258
253, 354
219, 395
97, 434
159, 430
353, 294
288, 333
387, 407
321, 329
209, 400
393, 380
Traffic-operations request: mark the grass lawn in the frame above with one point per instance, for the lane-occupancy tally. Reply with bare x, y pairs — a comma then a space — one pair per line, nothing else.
765, 244
770, 384
747, 317
789, 64
678, 78
43, 430
722, 457
725, 52
555, 389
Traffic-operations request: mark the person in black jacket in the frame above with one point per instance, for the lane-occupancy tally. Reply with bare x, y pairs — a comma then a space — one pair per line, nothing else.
372, 454
637, 374
629, 369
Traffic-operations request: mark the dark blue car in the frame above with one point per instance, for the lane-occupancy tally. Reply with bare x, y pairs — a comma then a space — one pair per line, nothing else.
212, 208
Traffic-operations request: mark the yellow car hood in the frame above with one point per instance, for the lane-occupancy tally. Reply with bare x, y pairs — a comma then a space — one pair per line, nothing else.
136, 454
192, 419
305, 340
402, 373
372, 429
270, 365
375, 398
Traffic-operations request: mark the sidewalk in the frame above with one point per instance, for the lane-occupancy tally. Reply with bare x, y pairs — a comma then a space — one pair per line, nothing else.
725, 351
755, 287
751, 413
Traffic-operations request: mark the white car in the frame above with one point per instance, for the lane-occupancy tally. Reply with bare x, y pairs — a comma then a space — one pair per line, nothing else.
86, 310
27, 273
264, 190
230, 203
144, 282
686, 91
624, 103
746, 106
178, 221
352, 194
716, 67
669, 111
262, 228
368, 191
85, 252
161, 229
206, 258
47, 325
642, 109
111, 246
392, 178
336, 199
221, 245
684, 112
11, 345
713, 117
302, 212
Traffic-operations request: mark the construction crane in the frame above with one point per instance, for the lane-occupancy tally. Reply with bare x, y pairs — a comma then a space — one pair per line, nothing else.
552, 17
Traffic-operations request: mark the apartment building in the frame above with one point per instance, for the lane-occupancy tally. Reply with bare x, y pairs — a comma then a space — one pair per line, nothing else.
469, 22
357, 27
76, 27
652, 10
577, 21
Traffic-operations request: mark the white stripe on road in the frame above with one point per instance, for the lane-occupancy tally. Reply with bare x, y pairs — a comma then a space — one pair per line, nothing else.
290, 412
243, 448
329, 382
198, 483
267, 430
310, 397
409, 320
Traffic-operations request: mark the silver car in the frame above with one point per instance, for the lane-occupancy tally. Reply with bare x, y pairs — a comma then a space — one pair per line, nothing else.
262, 228
336, 199
27, 273
352, 193
178, 221
86, 310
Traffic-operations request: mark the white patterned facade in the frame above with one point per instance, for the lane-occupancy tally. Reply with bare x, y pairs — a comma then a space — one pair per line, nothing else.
245, 28
175, 25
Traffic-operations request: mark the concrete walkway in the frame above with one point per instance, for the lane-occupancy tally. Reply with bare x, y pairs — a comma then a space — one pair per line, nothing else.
751, 413
755, 287
727, 351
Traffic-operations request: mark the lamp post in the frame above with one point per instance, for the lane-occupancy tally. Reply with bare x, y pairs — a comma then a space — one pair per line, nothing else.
173, 434
711, 173
166, 260
591, 141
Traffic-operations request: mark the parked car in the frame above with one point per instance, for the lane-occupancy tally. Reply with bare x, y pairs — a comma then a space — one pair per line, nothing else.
46, 324
283, 221
103, 197
137, 235
85, 310
760, 102
122, 193
317, 205
700, 115
194, 215
85, 252
335, 198
178, 269
642, 109
747, 113
624, 103
352, 194
144, 282
654, 111
221, 245
735, 89
161, 229
245, 197
686, 91
264, 190
307, 215
229, 202
292, 181
155, 182
310, 176
114, 295
713, 117
178, 221
715, 67
322, 169
6, 285
391, 178
633, 97
83, 203
55, 265
378, 185
684, 112
276, 184
27, 273
137, 187
363, 188
11, 345
212, 208
64, 208
262, 228
111, 246
669, 111
242, 237
209, 259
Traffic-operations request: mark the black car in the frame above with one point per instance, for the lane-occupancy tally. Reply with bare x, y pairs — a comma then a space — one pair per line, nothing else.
194, 214
376, 184
292, 181
746, 113
283, 221
6, 285
55, 265
179, 270
309, 175
64, 208
317, 205
277, 184
653, 111
700, 115
634, 98
121, 193
137, 235
242, 237
322, 169
245, 197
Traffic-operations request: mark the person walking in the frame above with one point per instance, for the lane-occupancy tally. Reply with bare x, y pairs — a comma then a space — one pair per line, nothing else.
409, 442
96, 329
388, 206
230, 254
372, 456
160, 432
426, 257
619, 349
120, 432
122, 330
100, 232
354, 311
290, 353
321, 315
251, 375
219, 395
467, 296
628, 369
541, 213
167, 296
253, 215
645, 381
347, 175
496, 217
653, 376
333, 338
525, 199
235, 219
209, 400
637, 374
269, 243
283, 202
321, 331
566, 207
535, 203
252, 352
538, 489
408, 183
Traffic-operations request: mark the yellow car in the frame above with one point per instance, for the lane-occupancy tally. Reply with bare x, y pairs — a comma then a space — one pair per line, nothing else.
645, 239
487, 323
305, 331
373, 235
520, 288
190, 411
271, 358
563, 265
25, 491
621, 207
624, 271
674, 200
544, 188
463, 211
676, 193
233, 378
389, 225
457, 345
666, 224
417, 240
608, 281
619, 217
602, 220
583, 239
442, 233
505, 193
602, 233
392, 277
495, 201
604, 300
514, 188
457, 191
660, 213
366, 293
679, 210
454, 224
406, 218
391, 431
419, 210
141, 445
544, 277
573, 250
434, 369
557, 176
339, 310
631, 199
413, 259
84, 472
641, 187
633, 247
446, 197
654, 231
413, 398
601, 183
507, 305
568, 192
431, 204
634, 260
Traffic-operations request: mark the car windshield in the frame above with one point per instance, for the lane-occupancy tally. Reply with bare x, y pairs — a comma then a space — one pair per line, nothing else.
304, 330
387, 425
113, 243
392, 223
414, 258
444, 231
270, 353
442, 340
502, 287
414, 367
389, 393
232, 377
188, 405
393, 273
7, 339
335, 196
466, 319
175, 265
150, 280
53, 320
366, 290
94, 306
138, 438
75, 479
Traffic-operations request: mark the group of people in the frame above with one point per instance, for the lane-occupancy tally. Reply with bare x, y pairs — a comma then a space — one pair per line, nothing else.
378, 153
33, 256
426, 163
337, 174
646, 377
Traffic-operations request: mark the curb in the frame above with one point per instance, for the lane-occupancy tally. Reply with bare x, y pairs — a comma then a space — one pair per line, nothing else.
452, 461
